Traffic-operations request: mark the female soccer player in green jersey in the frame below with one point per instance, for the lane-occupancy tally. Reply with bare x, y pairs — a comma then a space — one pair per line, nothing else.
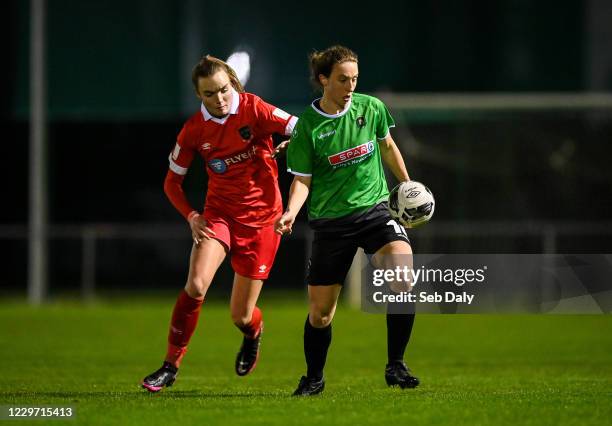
336, 153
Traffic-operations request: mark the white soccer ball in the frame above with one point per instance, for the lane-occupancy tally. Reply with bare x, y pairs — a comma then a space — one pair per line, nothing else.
411, 204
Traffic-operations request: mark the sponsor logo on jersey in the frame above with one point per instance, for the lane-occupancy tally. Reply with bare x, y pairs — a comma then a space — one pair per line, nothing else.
326, 134
362, 150
245, 133
176, 151
217, 165
239, 158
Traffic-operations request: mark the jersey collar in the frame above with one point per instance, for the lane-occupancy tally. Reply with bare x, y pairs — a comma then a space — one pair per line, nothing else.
233, 109
324, 114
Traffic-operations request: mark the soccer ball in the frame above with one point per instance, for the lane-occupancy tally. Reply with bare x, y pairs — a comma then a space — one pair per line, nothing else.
411, 204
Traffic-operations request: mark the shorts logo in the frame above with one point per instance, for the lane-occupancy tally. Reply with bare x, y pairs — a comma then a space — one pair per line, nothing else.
217, 166
262, 268
351, 154
245, 133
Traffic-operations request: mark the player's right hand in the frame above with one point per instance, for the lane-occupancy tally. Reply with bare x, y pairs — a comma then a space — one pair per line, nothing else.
199, 229
284, 224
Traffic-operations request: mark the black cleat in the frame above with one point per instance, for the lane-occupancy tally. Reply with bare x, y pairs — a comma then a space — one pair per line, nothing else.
247, 357
165, 376
398, 374
308, 387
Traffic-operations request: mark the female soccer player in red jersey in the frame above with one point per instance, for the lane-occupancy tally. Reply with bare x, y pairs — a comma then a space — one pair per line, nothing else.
232, 133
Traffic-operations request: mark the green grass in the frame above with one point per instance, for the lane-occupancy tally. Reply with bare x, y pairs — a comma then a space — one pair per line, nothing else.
475, 369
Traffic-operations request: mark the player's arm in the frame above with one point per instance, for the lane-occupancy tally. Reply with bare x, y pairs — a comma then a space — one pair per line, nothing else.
274, 120
173, 187
298, 193
179, 161
392, 157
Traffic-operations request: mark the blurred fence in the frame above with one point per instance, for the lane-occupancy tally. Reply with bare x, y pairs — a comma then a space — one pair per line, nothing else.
87, 265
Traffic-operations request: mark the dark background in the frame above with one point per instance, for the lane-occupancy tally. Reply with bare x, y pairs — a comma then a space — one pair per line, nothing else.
119, 90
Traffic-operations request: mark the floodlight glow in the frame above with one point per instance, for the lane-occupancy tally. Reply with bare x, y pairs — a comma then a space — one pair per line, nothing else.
241, 63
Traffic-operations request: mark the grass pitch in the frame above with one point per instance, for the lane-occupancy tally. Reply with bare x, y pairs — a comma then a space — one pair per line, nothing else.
474, 369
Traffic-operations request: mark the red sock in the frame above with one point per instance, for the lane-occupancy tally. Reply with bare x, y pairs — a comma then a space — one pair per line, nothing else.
252, 329
184, 320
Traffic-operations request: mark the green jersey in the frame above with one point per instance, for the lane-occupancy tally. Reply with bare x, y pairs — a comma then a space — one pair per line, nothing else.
342, 155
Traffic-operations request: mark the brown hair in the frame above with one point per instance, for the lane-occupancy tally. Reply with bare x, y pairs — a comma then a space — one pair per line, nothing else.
208, 66
323, 62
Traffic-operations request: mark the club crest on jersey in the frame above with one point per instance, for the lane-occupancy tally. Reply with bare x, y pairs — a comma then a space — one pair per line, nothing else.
245, 133
360, 121
217, 165
358, 152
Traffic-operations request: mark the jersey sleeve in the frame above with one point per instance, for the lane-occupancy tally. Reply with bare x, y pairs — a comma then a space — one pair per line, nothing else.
179, 161
300, 152
173, 188
271, 119
385, 121
182, 155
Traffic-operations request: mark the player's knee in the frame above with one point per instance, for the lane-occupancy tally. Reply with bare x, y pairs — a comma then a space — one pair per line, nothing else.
197, 287
320, 319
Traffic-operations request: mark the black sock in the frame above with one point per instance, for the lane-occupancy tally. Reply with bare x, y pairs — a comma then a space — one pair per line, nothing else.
316, 343
399, 328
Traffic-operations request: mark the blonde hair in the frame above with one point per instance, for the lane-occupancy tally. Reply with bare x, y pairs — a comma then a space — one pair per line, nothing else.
210, 65
323, 62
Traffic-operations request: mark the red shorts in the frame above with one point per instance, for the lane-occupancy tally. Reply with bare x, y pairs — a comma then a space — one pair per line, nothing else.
252, 250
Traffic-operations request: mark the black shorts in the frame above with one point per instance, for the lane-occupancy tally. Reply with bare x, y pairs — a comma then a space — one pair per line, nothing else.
334, 248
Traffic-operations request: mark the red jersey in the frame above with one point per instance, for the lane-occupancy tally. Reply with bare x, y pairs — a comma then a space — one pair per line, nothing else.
236, 149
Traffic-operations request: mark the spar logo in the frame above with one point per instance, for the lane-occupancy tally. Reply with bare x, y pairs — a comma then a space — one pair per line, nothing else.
351, 154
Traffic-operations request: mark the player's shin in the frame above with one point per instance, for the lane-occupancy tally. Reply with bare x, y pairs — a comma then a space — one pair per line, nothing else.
184, 321
316, 344
400, 319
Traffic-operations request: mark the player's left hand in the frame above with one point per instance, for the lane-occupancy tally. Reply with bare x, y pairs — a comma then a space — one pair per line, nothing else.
280, 149
284, 225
